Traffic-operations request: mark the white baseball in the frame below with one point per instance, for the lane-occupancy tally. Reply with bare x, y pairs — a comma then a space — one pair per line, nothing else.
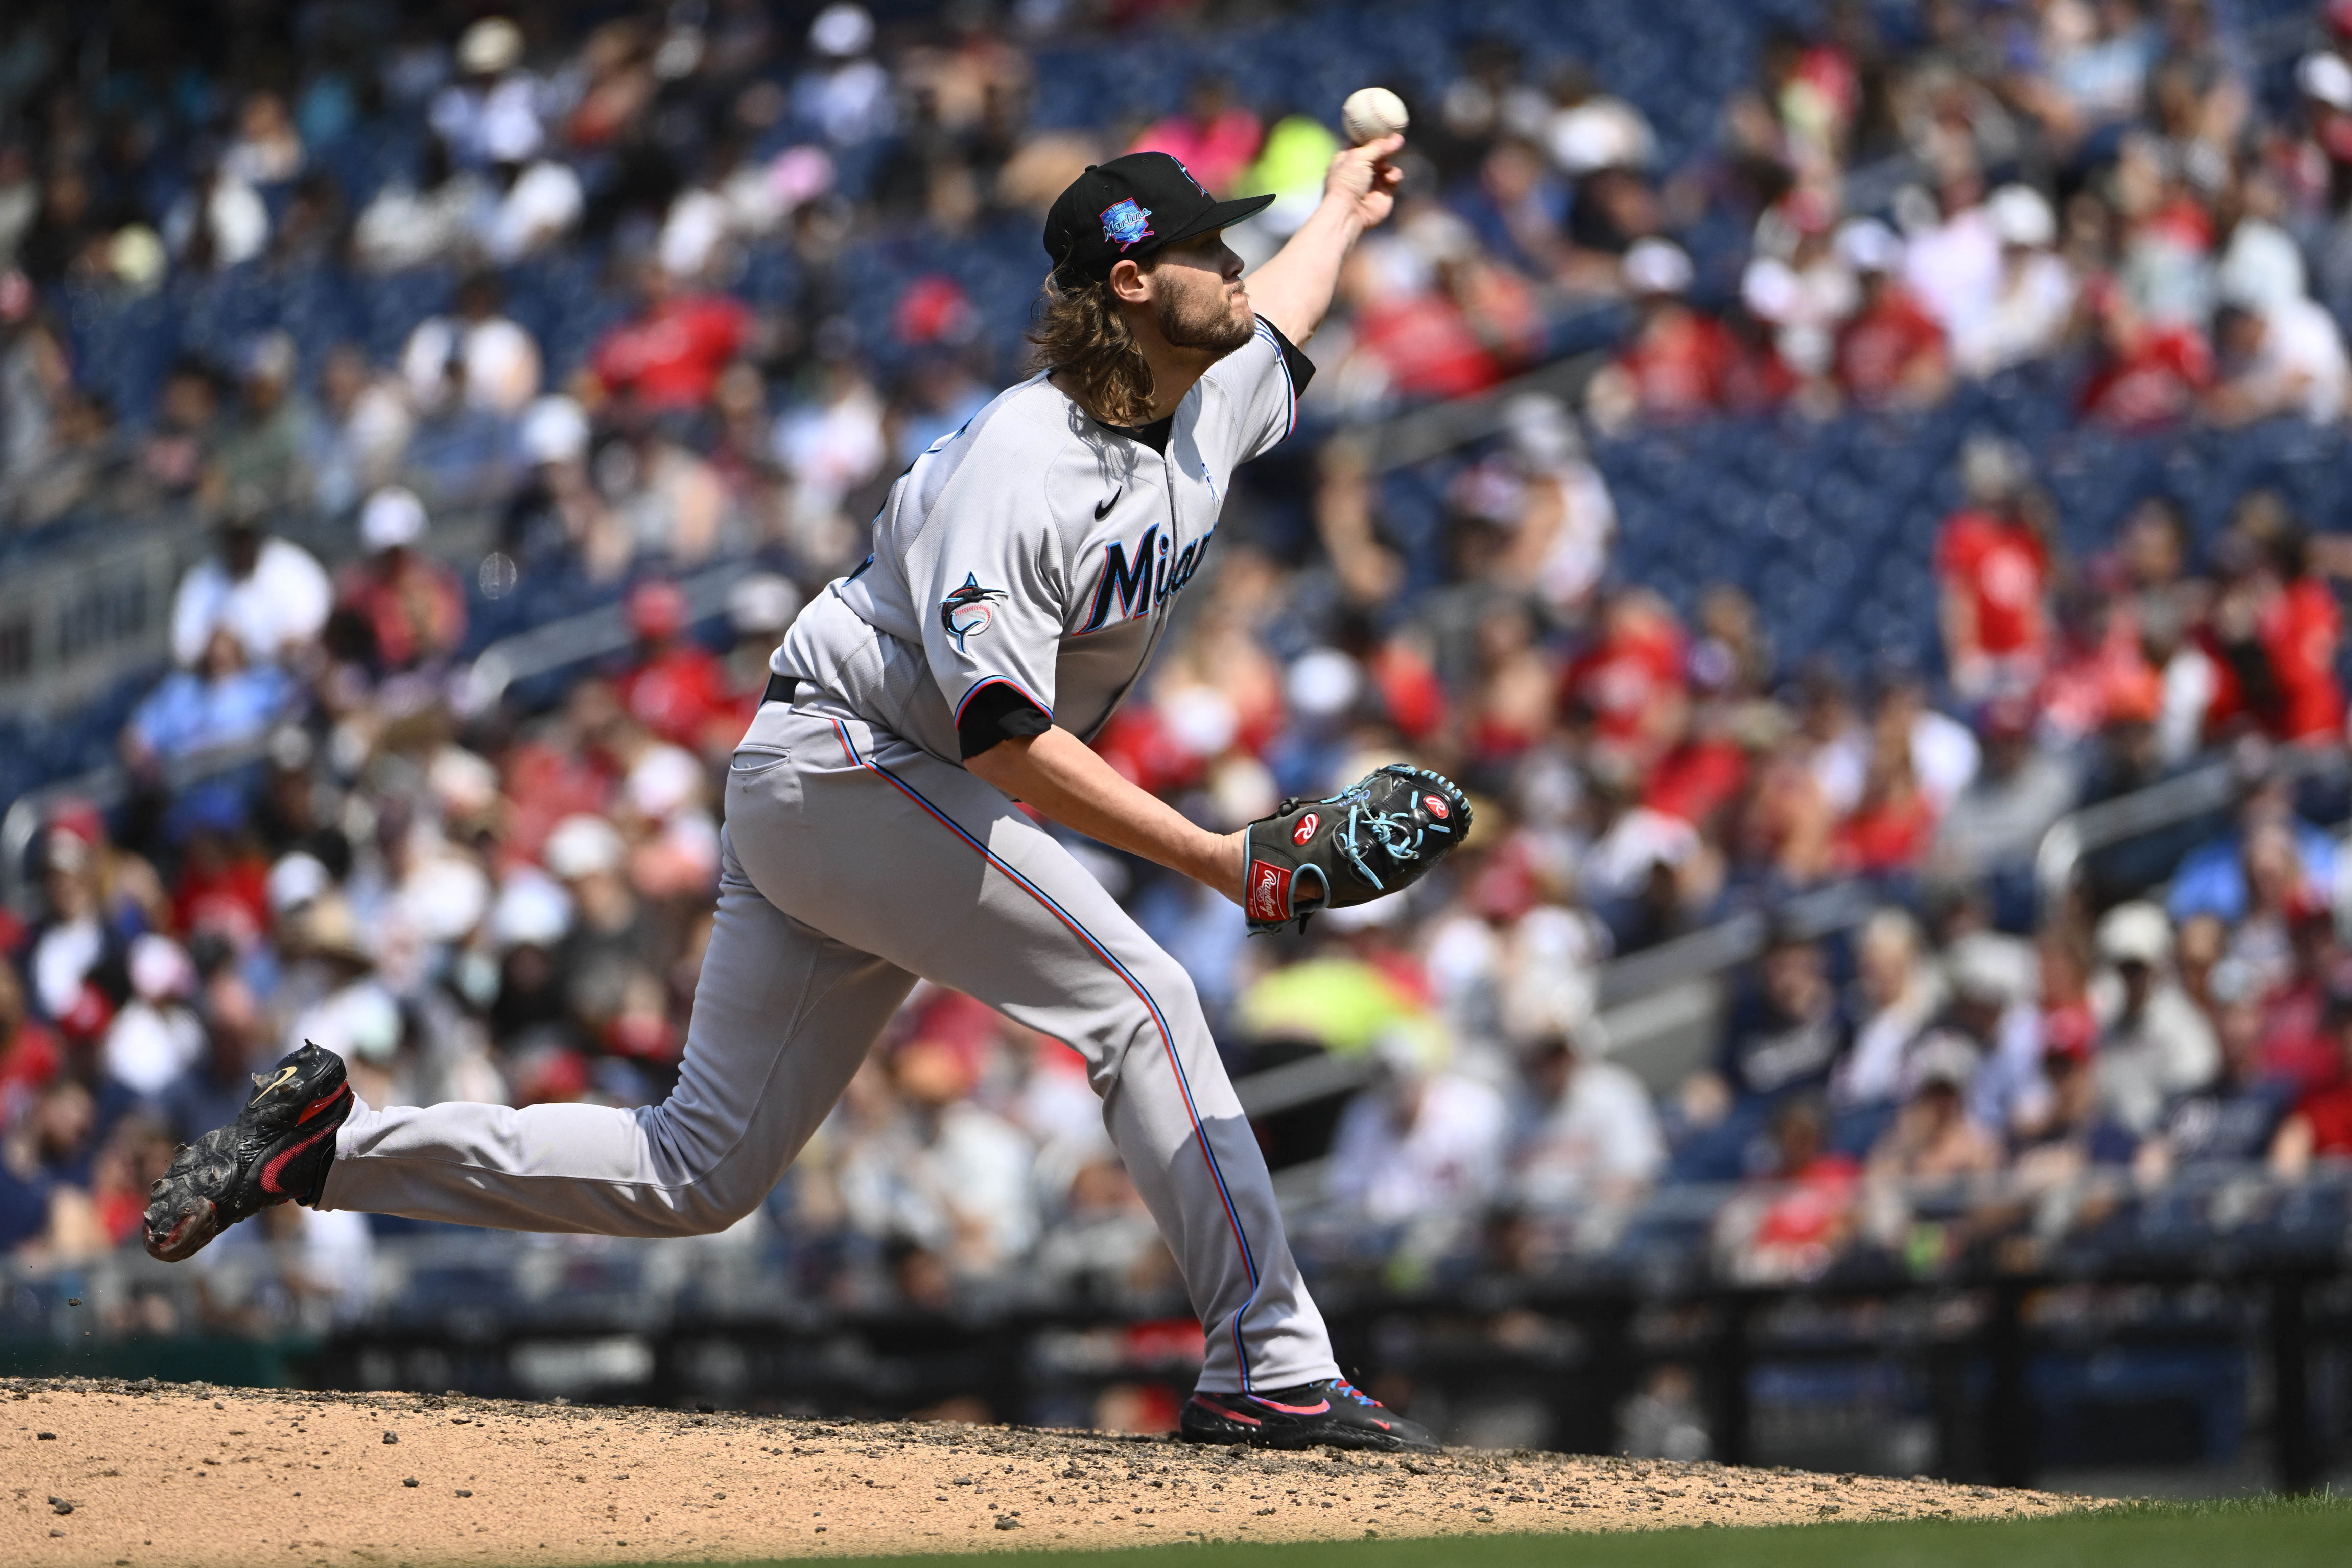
1371, 113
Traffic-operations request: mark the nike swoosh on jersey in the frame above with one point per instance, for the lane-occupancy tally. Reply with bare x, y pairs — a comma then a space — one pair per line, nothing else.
1102, 508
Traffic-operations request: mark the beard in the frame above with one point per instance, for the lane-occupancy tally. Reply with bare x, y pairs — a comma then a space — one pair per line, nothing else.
1204, 322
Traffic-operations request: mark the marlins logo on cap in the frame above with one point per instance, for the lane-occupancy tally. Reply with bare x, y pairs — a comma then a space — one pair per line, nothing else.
1125, 222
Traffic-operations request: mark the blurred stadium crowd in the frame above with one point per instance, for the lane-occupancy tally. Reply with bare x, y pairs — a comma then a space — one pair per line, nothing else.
611, 298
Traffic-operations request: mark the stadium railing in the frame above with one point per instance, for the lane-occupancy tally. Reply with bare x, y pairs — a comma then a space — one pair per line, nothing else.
2200, 792
2219, 1301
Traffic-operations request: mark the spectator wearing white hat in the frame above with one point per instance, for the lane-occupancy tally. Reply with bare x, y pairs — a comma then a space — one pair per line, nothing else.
335, 998
2154, 1043
491, 113
2033, 300
1994, 980
404, 609
558, 516
1681, 363
156, 1036
1891, 353
615, 936
760, 607
845, 97
1800, 284
2325, 83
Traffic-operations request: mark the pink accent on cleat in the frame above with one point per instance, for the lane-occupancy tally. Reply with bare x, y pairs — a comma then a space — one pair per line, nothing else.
1216, 1409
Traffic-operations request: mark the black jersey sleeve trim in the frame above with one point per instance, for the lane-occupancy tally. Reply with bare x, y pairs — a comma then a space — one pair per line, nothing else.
1294, 360
997, 711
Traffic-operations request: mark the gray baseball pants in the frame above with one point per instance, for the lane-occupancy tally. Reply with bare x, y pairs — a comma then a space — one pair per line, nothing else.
854, 863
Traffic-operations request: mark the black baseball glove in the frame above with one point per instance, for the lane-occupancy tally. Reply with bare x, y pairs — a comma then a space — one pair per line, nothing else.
1379, 835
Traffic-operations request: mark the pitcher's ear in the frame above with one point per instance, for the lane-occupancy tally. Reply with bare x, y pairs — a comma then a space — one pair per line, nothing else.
1126, 281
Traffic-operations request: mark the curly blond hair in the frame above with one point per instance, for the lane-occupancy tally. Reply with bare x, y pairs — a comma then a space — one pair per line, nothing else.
1080, 334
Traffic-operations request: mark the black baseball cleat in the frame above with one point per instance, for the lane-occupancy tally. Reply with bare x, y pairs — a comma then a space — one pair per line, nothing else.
278, 1148
1330, 1412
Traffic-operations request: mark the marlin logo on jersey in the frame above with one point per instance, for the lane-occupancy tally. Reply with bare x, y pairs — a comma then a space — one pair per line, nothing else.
965, 613
1145, 580
1125, 222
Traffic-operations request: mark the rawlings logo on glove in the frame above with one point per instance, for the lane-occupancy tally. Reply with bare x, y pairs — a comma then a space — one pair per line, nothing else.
1381, 835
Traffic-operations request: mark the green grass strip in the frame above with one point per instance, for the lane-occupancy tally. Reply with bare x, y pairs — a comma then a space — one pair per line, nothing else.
2267, 1533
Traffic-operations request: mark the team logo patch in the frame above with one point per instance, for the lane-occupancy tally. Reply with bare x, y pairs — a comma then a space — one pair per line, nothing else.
965, 613
1269, 892
1125, 222
1305, 828
1434, 806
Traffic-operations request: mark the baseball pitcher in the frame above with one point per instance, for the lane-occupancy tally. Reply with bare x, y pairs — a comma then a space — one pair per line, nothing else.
1022, 572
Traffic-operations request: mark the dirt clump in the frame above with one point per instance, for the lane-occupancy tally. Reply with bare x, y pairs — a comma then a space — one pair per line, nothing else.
100, 1472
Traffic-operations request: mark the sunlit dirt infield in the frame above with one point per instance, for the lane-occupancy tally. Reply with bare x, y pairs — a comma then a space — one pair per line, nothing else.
104, 1472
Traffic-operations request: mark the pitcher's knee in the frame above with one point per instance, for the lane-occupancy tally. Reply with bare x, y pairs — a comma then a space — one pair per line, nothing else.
726, 1213
1160, 1014
703, 1190
708, 1206
1165, 990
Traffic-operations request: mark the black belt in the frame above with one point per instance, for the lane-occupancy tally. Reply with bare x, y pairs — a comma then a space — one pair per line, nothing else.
782, 687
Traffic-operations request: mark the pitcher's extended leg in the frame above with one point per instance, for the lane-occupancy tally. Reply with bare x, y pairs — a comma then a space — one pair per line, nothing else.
782, 1015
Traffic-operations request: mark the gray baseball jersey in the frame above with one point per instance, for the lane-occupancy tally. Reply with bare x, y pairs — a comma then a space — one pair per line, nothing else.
1021, 576
1024, 567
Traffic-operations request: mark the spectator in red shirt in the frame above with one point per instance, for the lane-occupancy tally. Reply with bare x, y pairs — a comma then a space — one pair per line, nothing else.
2321, 1126
2153, 371
30, 1055
2100, 675
1704, 772
411, 604
1890, 352
2297, 1043
1892, 824
1423, 341
676, 688
2301, 628
1993, 569
1681, 364
2274, 630
1802, 1219
670, 354
1631, 680
558, 771
222, 887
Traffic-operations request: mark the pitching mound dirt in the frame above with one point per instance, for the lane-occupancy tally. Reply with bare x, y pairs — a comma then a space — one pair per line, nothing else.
111, 1473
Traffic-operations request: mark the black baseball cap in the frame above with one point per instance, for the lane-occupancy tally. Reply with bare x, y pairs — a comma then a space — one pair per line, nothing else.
1132, 206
